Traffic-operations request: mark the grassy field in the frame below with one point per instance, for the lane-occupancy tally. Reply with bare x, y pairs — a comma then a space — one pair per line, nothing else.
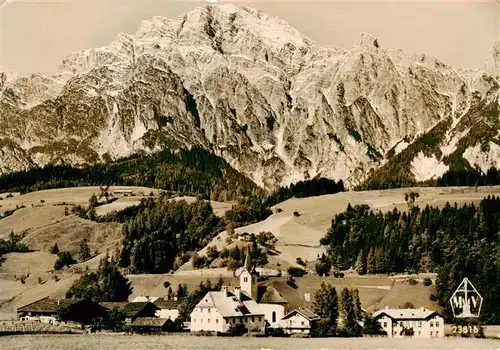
187, 342
298, 236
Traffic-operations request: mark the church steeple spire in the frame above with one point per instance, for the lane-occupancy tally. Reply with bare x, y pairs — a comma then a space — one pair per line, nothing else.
248, 277
248, 261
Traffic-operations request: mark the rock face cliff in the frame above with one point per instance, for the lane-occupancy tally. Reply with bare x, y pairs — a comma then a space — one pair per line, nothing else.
250, 88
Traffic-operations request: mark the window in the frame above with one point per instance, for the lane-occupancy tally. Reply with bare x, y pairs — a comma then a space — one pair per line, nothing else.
431, 333
216, 320
209, 310
301, 323
194, 320
437, 323
432, 324
274, 316
245, 279
420, 323
260, 318
253, 319
208, 320
227, 320
437, 333
234, 320
385, 324
241, 320
201, 310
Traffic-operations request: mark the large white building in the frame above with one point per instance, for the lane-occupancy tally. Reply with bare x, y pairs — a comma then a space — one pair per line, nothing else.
418, 323
249, 304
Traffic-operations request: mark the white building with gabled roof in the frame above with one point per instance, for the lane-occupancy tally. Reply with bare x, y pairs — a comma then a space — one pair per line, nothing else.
249, 304
219, 311
299, 321
418, 323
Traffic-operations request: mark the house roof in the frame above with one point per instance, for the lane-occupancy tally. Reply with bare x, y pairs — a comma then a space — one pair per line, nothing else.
114, 304
150, 321
132, 309
47, 305
414, 314
269, 295
228, 304
167, 304
308, 314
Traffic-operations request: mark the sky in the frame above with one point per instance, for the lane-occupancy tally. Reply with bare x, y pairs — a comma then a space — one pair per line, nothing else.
36, 35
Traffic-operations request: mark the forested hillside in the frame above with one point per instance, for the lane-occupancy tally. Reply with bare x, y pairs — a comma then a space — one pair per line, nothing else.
464, 176
454, 241
193, 172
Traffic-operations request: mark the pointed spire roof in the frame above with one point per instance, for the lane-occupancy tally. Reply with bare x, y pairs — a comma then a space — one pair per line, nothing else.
248, 261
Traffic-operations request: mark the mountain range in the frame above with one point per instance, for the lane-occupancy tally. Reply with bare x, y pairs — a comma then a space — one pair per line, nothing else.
251, 89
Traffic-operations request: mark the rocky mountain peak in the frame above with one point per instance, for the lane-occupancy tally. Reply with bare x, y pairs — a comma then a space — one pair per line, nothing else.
250, 88
366, 41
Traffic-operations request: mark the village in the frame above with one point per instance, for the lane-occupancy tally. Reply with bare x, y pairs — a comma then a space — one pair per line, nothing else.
247, 309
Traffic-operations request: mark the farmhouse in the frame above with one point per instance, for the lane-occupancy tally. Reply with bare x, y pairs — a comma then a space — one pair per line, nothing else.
168, 309
44, 310
151, 325
133, 310
299, 321
48, 310
419, 323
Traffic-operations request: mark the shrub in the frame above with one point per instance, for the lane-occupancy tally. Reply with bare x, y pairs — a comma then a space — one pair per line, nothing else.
296, 271
412, 281
198, 261
65, 259
296, 213
408, 305
427, 282
300, 261
433, 297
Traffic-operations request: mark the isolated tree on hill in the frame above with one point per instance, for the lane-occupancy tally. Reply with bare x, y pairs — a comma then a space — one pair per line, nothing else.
55, 249
230, 229
64, 259
84, 254
93, 202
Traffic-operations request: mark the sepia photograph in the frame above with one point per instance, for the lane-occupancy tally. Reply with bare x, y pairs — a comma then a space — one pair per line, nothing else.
249, 174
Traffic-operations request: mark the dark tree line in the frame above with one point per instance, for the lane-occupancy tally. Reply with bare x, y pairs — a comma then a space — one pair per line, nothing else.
454, 241
13, 244
106, 284
454, 177
308, 188
194, 172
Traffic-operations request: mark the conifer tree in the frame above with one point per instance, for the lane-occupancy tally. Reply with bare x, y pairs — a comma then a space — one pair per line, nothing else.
84, 253
361, 263
55, 249
325, 304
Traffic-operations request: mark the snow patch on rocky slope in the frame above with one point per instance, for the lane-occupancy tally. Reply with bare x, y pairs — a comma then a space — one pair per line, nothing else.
484, 159
425, 168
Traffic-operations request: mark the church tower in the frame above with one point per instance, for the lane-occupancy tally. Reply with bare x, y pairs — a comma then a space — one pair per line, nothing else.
248, 277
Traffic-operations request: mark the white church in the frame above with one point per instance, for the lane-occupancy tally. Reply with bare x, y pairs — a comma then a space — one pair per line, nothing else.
248, 304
